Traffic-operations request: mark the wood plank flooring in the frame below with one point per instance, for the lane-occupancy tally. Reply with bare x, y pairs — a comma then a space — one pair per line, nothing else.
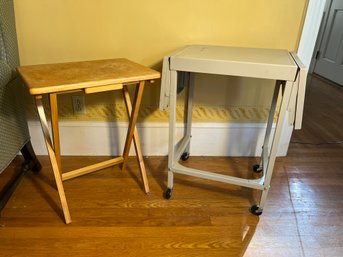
112, 216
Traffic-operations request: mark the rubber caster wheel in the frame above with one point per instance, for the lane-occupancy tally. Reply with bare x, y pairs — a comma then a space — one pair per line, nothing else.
257, 168
185, 156
168, 193
255, 209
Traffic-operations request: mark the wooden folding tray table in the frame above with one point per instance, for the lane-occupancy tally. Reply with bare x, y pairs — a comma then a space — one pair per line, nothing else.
89, 77
280, 65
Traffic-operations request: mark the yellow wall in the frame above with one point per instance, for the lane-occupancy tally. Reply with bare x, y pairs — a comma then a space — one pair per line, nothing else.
146, 30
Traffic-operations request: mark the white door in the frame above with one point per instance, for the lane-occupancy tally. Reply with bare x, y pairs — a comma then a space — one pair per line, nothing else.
329, 63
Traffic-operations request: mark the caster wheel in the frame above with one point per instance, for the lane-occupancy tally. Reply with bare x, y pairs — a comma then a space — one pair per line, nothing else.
255, 209
168, 193
185, 156
257, 168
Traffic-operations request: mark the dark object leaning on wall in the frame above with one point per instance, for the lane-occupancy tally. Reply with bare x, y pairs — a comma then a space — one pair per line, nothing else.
14, 133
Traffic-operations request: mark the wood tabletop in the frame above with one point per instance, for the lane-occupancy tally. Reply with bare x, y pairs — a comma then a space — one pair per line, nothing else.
61, 77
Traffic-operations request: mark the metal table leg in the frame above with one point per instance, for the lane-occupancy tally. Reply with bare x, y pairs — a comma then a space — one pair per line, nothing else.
265, 148
188, 116
287, 88
172, 132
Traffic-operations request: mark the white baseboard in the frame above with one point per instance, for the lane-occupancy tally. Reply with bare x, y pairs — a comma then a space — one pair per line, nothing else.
107, 138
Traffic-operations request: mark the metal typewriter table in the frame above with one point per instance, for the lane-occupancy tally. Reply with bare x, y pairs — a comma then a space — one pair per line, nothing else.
279, 65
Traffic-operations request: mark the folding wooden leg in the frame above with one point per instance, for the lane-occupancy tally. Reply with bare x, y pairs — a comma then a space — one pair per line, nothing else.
136, 141
55, 130
53, 160
133, 119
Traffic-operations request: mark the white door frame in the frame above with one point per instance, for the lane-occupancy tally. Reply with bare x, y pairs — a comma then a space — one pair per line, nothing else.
313, 20
320, 34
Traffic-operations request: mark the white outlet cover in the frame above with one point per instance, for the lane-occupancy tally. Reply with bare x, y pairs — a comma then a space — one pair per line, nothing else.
79, 104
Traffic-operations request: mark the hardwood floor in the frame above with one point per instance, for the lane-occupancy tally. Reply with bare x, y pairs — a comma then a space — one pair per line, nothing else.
112, 216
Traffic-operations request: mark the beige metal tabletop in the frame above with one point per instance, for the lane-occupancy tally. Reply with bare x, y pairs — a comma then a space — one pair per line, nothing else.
236, 61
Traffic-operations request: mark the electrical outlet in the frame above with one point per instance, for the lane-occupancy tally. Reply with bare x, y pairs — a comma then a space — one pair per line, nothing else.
79, 104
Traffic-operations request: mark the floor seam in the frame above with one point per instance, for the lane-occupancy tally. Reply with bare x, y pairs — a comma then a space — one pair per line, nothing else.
295, 215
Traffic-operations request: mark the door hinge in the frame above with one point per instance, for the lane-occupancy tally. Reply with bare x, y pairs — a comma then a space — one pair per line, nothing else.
317, 55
